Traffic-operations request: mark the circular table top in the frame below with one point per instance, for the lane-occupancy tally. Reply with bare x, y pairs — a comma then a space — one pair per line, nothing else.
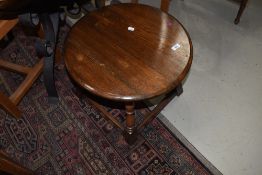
128, 52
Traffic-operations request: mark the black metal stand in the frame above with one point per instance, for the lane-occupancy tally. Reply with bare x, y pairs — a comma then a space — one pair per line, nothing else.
50, 24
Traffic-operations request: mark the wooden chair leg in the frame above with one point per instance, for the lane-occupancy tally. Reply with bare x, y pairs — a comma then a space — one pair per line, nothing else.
240, 11
6, 26
9, 106
9, 166
165, 5
27, 83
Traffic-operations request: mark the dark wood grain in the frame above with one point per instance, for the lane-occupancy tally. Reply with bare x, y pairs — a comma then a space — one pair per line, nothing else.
112, 62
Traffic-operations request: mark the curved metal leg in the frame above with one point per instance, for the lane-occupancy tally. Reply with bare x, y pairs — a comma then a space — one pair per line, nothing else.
50, 27
49, 79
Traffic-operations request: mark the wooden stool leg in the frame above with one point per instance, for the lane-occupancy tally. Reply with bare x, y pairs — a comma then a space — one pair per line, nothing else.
23, 88
9, 106
9, 166
165, 5
130, 132
240, 11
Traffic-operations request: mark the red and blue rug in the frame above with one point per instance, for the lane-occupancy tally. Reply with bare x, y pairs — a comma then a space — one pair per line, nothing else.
72, 137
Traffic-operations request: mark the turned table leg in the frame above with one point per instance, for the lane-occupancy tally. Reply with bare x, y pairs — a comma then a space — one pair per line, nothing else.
50, 24
130, 130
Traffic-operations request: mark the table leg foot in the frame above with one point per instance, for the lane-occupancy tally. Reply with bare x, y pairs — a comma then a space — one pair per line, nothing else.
53, 100
130, 138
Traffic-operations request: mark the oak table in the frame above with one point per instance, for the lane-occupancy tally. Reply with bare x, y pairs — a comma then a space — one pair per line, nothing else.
129, 53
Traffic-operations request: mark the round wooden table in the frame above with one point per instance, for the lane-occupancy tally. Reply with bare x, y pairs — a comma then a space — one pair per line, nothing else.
129, 53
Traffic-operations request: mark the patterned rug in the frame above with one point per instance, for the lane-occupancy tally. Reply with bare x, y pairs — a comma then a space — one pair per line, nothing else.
72, 137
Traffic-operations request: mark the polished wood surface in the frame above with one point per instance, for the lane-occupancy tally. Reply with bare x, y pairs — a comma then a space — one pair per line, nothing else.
112, 62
